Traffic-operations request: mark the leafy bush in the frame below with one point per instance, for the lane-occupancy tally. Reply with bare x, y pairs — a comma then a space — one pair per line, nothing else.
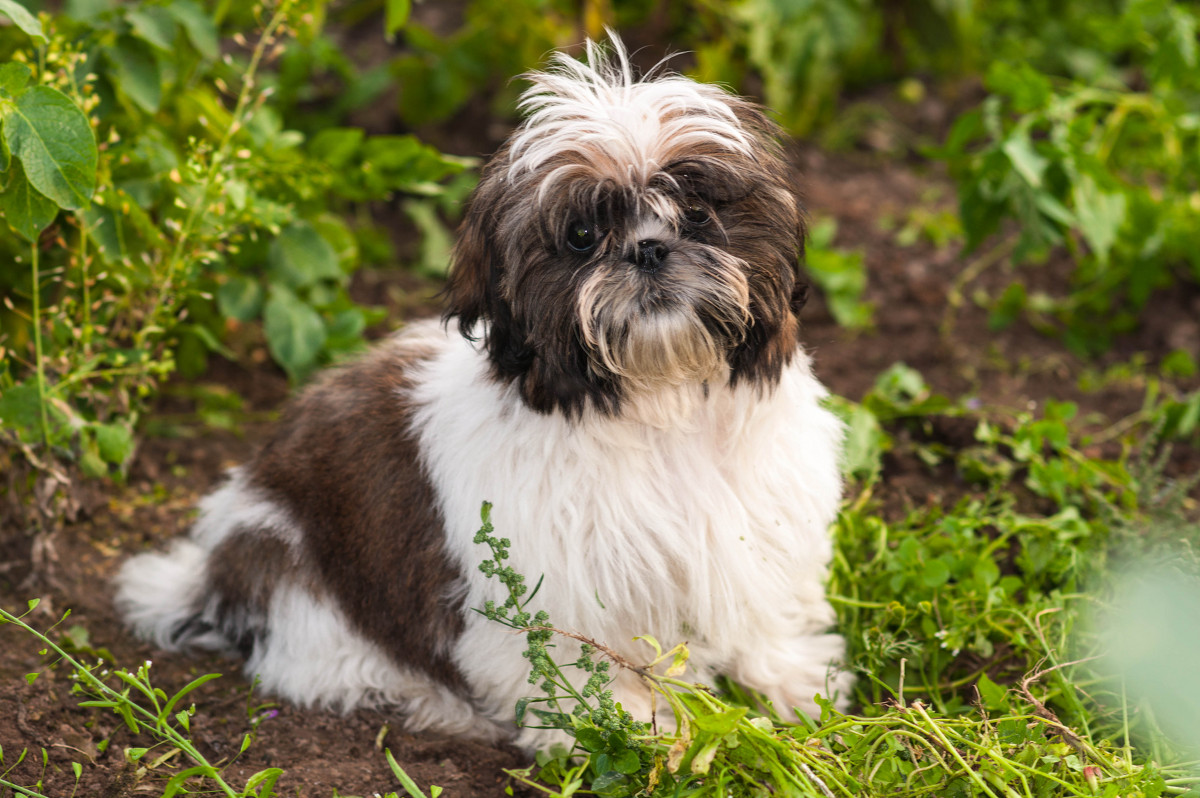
159, 200
1105, 162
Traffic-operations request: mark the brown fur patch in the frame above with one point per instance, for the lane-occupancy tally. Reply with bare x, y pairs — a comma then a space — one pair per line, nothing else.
345, 465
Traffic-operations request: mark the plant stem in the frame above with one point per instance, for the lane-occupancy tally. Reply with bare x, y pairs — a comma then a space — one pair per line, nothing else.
218, 160
155, 724
40, 366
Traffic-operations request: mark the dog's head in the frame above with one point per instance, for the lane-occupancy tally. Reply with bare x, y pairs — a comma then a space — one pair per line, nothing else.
631, 236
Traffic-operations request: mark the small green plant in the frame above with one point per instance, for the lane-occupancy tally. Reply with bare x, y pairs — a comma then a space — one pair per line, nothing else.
159, 203
941, 595
841, 276
144, 709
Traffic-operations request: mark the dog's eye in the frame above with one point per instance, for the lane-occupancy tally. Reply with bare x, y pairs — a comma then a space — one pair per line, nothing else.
581, 237
696, 214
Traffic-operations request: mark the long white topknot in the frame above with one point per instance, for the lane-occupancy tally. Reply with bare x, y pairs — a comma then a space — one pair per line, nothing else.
598, 105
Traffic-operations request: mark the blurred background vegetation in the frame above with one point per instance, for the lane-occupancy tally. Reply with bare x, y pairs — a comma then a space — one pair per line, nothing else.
207, 167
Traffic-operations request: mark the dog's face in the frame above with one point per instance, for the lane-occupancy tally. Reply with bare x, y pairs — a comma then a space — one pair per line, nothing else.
631, 237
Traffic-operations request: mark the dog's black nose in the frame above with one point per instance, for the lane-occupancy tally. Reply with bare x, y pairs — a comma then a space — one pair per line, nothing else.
650, 254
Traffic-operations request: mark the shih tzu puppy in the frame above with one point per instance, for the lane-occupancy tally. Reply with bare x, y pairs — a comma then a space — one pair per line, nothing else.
622, 379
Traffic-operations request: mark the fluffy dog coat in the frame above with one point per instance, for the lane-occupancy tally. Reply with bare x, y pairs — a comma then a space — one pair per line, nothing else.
625, 384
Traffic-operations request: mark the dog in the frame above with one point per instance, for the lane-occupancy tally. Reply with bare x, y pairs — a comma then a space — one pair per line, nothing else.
618, 371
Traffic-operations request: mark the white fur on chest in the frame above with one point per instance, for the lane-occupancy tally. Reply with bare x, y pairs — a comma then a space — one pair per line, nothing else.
707, 525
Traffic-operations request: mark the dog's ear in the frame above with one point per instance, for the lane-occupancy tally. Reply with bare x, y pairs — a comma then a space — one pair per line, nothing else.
474, 289
754, 120
471, 289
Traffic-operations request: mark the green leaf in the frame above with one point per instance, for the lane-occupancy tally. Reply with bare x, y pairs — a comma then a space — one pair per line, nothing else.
138, 73
154, 25
396, 15
103, 226
1100, 214
590, 739
54, 141
300, 257
1025, 160
345, 329
336, 146
20, 409
721, 722
935, 573
295, 332
177, 783
406, 781
263, 781
240, 298
627, 762
22, 18
13, 78
201, 31
115, 442
27, 212
994, 696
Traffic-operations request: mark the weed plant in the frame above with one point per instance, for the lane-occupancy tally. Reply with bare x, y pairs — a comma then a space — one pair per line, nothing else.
157, 202
971, 627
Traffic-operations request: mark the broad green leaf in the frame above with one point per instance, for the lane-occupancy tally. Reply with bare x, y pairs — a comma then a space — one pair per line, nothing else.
1025, 159
115, 442
590, 739
138, 73
154, 25
22, 18
300, 257
27, 212
103, 226
935, 573
1100, 214
396, 16
295, 332
263, 782
13, 78
54, 141
335, 146
201, 31
436, 240
994, 696
1028, 88
627, 762
340, 237
721, 722
345, 329
240, 298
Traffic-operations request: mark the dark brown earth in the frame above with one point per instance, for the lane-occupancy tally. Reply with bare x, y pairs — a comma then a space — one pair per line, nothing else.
321, 752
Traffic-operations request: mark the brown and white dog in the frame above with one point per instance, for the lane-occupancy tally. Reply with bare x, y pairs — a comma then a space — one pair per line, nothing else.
625, 384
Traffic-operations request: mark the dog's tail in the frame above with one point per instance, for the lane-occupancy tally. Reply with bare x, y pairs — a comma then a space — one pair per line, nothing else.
162, 597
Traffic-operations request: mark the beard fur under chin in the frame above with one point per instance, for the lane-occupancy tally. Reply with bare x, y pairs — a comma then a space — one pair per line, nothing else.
669, 347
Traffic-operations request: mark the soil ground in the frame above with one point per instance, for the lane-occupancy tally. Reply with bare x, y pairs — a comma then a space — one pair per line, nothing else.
323, 753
